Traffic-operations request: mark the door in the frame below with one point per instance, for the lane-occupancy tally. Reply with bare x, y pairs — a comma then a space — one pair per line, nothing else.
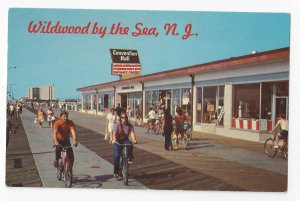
281, 106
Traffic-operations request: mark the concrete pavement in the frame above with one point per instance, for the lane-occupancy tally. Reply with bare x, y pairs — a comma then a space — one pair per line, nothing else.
90, 170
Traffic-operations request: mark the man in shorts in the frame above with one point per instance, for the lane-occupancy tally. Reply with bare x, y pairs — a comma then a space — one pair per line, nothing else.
63, 130
284, 129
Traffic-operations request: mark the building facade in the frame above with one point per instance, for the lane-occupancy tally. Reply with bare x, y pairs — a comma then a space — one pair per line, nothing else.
238, 97
43, 93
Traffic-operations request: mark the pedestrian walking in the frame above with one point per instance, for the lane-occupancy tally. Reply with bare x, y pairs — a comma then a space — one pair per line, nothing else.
118, 110
111, 120
180, 118
40, 117
50, 117
167, 121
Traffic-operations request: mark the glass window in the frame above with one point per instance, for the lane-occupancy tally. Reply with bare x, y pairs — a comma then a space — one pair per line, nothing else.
246, 101
209, 105
282, 89
155, 100
87, 102
148, 101
175, 100
186, 100
220, 106
266, 100
199, 105
100, 102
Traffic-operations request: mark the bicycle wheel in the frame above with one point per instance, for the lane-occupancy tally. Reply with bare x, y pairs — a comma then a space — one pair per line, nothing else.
125, 171
58, 170
68, 174
285, 152
269, 148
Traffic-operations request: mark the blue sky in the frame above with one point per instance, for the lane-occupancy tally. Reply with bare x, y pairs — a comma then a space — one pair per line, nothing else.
71, 61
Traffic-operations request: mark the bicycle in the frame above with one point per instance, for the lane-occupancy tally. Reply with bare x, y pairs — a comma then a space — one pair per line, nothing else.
282, 147
187, 136
64, 168
123, 164
149, 126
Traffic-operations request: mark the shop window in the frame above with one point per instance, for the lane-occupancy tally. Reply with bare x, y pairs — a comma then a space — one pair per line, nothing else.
148, 101
175, 100
220, 106
186, 100
87, 102
94, 102
100, 102
155, 100
266, 101
246, 101
199, 105
282, 89
209, 105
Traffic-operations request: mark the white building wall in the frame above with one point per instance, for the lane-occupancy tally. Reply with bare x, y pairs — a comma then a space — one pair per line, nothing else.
168, 81
128, 88
260, 69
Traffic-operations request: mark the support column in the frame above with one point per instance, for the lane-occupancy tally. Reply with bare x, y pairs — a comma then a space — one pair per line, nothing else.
92, 104
227, 106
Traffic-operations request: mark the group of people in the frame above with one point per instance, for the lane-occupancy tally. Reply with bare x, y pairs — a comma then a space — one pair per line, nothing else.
50, 117
120, 130
15, 108
178, 127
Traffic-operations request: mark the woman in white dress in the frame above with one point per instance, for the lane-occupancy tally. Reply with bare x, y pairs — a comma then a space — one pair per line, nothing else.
111, 118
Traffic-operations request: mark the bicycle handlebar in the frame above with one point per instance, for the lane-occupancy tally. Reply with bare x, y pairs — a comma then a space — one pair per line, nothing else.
64, 147
123, 144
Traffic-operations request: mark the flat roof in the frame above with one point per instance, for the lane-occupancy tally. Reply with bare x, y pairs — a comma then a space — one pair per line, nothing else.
230, 63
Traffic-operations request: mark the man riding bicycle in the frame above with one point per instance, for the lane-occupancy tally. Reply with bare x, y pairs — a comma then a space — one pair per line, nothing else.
283, 124
121, 133
63, 129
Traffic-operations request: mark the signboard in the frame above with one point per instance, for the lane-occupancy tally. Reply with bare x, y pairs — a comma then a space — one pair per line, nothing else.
125, 68
125, 62
124, 56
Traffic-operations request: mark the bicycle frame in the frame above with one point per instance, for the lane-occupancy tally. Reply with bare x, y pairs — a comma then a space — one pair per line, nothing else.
65, 166
271, 151
123, 164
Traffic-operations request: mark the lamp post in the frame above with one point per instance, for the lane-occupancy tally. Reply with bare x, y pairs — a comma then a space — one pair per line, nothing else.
10, 90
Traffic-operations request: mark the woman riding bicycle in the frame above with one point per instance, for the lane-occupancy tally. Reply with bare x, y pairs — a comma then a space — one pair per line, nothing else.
284, 128
121, 133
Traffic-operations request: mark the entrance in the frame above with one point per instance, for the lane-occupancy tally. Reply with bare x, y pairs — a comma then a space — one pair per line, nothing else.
124, 101
281, 106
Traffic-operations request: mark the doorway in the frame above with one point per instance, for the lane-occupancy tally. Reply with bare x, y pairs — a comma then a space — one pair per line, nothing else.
281, 106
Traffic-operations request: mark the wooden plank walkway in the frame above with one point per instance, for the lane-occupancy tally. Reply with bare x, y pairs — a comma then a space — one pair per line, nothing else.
21, 170
154, 171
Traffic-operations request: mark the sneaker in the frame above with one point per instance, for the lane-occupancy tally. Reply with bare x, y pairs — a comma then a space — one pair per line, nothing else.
275, 146
130, 162
55, 163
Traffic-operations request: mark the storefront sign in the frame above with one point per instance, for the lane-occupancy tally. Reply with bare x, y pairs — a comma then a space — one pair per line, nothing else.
125, 62
125, 68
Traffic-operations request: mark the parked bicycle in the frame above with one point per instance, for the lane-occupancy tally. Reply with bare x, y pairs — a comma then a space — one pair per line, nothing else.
123, 165
282, 147
64, 168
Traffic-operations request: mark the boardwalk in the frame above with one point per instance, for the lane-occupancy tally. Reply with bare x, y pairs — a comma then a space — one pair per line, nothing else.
211, 163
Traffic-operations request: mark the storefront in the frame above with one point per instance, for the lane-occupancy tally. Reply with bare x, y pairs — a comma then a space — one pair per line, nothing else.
256, 106
238, 97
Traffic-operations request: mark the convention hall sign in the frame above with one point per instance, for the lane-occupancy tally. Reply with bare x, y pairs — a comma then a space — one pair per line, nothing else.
125, 62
